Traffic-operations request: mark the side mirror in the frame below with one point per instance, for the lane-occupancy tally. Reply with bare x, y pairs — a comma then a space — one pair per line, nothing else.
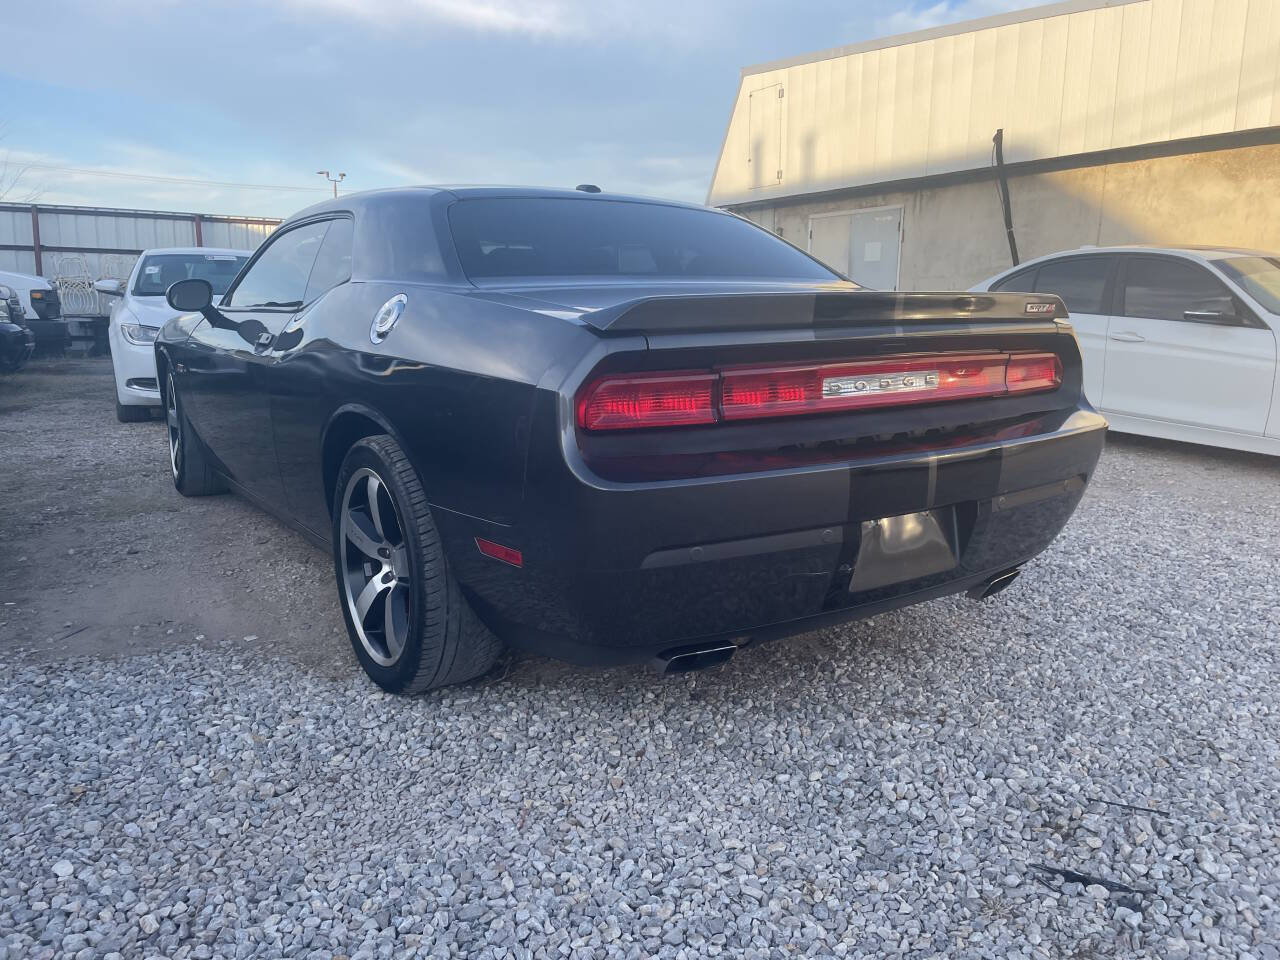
112, 288
190, 295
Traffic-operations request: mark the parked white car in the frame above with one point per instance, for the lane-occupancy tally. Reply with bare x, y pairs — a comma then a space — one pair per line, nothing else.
140, 312
1177, 343
41, 308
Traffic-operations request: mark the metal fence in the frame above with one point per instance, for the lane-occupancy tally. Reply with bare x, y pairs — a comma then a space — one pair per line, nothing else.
74, 246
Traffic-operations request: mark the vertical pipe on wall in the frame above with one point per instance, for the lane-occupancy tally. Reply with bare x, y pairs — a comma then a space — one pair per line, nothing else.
199, 235
35, 239
998, 141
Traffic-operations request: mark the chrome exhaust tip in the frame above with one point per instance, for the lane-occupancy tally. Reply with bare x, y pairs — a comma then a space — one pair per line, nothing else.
993, 586
688, 659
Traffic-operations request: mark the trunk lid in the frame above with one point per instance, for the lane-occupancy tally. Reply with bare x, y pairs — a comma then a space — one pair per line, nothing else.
705, 306
733, 356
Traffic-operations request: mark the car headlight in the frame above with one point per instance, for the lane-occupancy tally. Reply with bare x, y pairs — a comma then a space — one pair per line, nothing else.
137, 333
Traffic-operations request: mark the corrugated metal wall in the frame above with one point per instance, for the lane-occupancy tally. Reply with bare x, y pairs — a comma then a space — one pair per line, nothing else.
86, 230
1072, 78
103, 239
236, 235
16, 252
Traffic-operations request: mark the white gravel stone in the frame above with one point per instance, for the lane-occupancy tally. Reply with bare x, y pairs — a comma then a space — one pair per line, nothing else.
890, 787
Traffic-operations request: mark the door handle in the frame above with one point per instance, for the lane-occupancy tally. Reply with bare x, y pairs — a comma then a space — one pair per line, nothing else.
1129, 337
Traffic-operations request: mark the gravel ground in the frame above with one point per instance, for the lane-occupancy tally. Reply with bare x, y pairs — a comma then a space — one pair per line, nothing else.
192, 766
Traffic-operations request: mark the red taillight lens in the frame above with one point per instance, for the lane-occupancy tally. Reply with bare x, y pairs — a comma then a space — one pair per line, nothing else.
1033, 371
769, 393
659, 400
742, 393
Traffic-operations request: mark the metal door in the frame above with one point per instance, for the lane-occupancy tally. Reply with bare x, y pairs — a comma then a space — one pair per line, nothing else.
829, 240
764, 133
875, 238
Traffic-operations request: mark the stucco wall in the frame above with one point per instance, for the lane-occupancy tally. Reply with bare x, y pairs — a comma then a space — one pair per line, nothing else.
953, 235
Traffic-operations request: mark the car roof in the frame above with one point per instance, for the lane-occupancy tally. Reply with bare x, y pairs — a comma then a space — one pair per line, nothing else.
19, 273
1191, 251
352, 201
1207, 251
216, 251
1202, 251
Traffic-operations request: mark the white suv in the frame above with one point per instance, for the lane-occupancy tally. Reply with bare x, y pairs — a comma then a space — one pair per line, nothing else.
1178, 342
140, 312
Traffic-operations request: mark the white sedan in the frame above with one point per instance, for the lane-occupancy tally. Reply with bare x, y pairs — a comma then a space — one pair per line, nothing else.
140, 312
1177, 343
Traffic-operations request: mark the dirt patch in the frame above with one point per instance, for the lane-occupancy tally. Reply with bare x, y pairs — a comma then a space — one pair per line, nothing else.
101, 556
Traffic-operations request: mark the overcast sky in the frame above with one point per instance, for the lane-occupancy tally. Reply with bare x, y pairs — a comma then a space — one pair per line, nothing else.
631, 95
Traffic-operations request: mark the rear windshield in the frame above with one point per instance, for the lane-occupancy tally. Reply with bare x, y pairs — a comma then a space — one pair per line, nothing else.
564, 237
1260, 277
160, 271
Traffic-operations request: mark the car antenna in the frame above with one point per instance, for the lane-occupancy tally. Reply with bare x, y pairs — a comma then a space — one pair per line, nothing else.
587, 188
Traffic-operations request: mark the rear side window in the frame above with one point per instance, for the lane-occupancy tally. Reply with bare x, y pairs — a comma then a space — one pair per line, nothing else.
502, 238
1156, 288
1024, 281
333, 263
1081, 282
278, 278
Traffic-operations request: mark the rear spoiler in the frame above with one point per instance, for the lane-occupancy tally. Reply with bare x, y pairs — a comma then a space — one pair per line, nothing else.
685, 314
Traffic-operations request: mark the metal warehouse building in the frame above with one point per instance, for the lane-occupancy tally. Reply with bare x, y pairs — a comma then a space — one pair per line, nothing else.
1123, 121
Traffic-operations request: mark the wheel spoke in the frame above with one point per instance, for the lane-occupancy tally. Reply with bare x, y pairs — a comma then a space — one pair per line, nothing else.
174, 428
372, 487
368, 595
392, 628
366, 544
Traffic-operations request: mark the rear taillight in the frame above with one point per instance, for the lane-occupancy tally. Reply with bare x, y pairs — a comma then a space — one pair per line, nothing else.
742, 393
1033, 371
855, 386
648, 400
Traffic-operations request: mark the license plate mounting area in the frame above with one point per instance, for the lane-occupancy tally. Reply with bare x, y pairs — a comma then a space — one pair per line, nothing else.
905, 547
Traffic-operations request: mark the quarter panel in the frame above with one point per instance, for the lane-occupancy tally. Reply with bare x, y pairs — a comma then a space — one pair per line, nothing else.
455, 378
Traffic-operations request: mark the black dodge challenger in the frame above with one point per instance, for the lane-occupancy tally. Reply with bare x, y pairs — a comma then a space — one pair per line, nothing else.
616, 429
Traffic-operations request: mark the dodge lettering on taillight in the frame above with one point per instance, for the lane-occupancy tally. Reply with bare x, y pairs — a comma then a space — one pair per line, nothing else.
911, 382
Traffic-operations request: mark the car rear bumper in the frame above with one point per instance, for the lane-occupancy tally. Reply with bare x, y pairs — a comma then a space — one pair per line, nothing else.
615, 573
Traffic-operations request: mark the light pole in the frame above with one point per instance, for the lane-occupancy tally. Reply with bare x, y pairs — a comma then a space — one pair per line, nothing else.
334, 180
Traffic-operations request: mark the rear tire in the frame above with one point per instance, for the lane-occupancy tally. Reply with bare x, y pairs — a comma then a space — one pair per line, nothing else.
193, 474
132, 414
410, 625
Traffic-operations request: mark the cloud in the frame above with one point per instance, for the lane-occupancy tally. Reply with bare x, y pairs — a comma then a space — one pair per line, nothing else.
151, 180
529, 17
402, 173
629, 95
922, 17
572, 21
